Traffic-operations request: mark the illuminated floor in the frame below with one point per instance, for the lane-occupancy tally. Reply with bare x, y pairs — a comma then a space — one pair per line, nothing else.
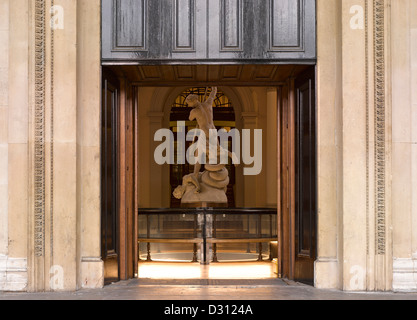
230, 270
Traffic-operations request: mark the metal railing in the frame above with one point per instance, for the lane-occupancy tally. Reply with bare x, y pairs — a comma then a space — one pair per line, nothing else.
208, 228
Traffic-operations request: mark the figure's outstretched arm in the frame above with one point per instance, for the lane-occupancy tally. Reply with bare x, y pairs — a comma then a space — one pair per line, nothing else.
212, 96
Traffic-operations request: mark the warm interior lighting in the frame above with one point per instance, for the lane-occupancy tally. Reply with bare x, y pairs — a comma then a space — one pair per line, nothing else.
250, 270
241, 271
169, 270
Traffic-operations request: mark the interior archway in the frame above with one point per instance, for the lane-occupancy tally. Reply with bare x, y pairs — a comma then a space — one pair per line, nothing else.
155, 112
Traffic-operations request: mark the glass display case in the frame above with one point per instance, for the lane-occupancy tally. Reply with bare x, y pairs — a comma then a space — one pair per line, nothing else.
207, 235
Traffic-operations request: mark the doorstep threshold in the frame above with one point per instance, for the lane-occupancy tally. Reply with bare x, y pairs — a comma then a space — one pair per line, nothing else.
212, 282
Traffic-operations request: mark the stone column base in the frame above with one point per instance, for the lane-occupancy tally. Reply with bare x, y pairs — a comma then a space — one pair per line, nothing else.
404, 275
326, 274
92, 273
13, 274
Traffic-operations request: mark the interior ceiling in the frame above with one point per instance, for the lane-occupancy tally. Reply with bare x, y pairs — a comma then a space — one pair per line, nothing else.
204, 75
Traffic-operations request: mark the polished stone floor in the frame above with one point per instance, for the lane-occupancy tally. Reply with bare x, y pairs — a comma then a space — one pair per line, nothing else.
221, 282
218, 290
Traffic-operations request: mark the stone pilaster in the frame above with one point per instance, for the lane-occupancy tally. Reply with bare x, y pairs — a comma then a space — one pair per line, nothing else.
64, 218
354, 214
329, 144
91, 269
156, 120
4, 110
354, 131
250, 122
404, 144
4, 148
271, 148
14, 145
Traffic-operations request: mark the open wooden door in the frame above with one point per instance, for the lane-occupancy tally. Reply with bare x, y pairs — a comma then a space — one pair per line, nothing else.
127, 213
109, 199
297, 178
305, 177
284, 183
118, 178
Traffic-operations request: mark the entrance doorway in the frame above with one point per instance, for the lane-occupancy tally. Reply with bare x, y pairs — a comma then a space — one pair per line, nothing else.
142, 97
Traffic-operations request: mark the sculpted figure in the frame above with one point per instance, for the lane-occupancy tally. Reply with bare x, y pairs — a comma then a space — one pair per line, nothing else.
215, 177
186, 180
203, 113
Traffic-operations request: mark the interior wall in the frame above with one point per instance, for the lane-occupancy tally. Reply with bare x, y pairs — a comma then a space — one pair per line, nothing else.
255, 108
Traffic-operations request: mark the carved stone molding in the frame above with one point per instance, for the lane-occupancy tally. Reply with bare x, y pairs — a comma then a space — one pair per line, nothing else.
380, 125
39, 129
40, 114
51, 119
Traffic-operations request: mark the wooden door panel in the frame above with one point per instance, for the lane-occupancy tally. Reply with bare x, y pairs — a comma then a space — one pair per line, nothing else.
305, 177
109, 206
285, 183
126, 182
130, 182
224, 30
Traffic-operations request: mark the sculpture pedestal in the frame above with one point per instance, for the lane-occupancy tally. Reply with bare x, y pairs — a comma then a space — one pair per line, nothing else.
204, 205
208, 251
208, 197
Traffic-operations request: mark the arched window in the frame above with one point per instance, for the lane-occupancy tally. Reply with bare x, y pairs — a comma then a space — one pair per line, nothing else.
221, 101
223, 116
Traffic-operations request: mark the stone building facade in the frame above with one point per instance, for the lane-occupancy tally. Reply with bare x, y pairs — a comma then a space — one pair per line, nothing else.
50, 111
